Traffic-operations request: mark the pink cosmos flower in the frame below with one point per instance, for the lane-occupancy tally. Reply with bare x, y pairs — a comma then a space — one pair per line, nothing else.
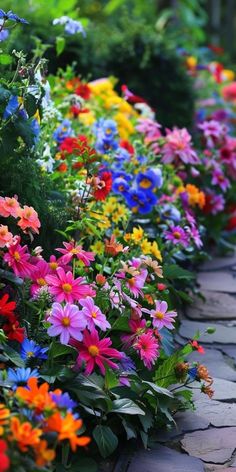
9, 207
213, 131
28, 219
148, 349
137, 327
161, 317
150, 128
93, 315
177, 148
136, 283
38, 276
5, 236
94, 351
18, 258
177, 235
64, 287
67, 322
218, 178
195, 235
71, 250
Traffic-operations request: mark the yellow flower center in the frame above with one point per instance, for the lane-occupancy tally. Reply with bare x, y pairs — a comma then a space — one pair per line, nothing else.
66, 321
93, 350
177, 235
74, 251
94, 314
145, 183
30, 354
16, 256
131, 282
159, 315
67, 288
53, 265
41, 281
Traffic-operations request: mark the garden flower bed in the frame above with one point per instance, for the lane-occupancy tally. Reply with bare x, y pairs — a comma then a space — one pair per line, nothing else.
87, 347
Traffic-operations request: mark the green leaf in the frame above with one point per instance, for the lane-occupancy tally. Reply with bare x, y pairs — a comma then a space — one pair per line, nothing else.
5, 59
174, 271
58, 349
111, 379
129, 429
5, 274
13, 355
60, 45
30, 104
106, 440
157, 389
126, 406
84, 464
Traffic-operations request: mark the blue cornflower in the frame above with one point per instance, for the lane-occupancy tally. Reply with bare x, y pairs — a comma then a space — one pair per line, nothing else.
4, 35
64, 130
104, 145
120, 186
123, 175
192, 372
140, 201
122, 155
11, 107
20, 376
30, 349
71, 26
170, 213
150, 179
64, 401
11, 16
105, 128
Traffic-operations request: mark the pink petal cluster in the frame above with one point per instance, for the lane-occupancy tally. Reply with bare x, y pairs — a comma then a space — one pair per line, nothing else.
71, 250
66, 322
178, 148
18, 258
5, 236
64, 287
28, 219
9, 207
161, 317
93, 315
148, 348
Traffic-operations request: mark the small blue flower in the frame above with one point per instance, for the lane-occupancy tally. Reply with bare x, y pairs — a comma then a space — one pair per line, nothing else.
64, 130
70, 26
123, 175
20, 376
11, 107
120, 186
192, 372
29, 349
35, 127
169, 212
140, 201
105, 129
150, 179
12, 17
126, 364
4, 35
105, 146
64, 401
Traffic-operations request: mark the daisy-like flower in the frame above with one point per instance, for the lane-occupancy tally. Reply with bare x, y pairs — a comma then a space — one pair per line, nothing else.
148, 349
5, 236
64, 287
30, 349
177, 235
218, 178
28, 219
178, 148
20, 376
161, 317
17, 258
93, 315
94, 351
72, 250
38, 276
67, 322
136, 283
9, 207
6, 307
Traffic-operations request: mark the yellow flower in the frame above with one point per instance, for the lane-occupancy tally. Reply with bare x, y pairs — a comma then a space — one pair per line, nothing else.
117, 233
127, 237
98, 248
137, 234
104, 223
191, 62
87, 119
146, 246
228, 74
125, 127
155, 251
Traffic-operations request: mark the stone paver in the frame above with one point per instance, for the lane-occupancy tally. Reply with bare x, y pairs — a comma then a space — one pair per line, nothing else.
212, 445
217, 263
230, 351
217, 413
217, 281
222, 335
217, 306
224, 390
216, 364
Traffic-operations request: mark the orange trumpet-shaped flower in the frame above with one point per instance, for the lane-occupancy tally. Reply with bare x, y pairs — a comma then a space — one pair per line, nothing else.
67, 428
4, 415
36, 397
43, 454
24, 434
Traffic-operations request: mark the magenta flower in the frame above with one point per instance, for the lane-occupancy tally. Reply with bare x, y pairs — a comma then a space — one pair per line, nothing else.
136, 283
93, 315
195, 235
161, 317
94, 351
67, 322
71, 250
177, 235
137, 327
150, 128
178, 148
218, 178
38, 275
213, 131
64, 287
18, 258
148, 349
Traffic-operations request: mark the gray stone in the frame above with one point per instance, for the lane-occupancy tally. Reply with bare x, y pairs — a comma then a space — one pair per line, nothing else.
219, 263
217, 306
224, 390
163, 459
222, 335
217, 281
212, 445
185, 422
217, 413
216, 364
230, 351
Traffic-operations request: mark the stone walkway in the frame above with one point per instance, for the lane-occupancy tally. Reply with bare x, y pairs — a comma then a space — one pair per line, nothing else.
205, 440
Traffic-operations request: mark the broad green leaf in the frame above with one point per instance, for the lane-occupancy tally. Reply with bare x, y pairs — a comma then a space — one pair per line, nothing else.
126, 406
58, 349
173, 271
106, 440
60, 45
111, 380
157, 389
5, 59
13, 355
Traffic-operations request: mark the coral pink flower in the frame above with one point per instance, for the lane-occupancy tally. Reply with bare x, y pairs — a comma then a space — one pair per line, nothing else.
28, 219
94, 351
136, 283
137, 327
38, 276
178, 148
5, 236
9, 207
17, 258
229, 92
161, 317
148, 349
93, 315
64, 287
72, 250
67, 322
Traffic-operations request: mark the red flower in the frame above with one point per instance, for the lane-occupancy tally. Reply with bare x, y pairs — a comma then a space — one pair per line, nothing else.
6, 308
62, 167
13, 330
197, 347
128, 146
84, 91
104, 186
4, 459
130, 96
76, 111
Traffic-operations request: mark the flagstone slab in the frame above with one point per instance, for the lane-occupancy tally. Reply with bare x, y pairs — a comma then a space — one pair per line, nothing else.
212, 445
217, 306
222, 335
224, 390
216, 364
186, 421
219, 414
217, 263
217, 281
230, 351
163, 459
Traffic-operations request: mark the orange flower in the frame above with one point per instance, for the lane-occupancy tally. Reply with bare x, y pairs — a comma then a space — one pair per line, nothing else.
24, 434
66, 428
4, 415
36, 397
28, 219
112, 247
43, 455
